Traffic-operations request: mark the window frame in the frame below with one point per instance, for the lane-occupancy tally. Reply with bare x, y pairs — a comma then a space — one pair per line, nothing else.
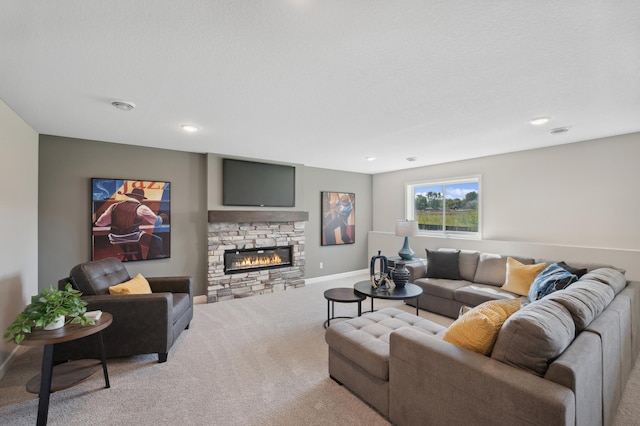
410, 206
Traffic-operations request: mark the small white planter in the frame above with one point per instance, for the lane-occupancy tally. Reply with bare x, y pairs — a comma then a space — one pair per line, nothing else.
58, 323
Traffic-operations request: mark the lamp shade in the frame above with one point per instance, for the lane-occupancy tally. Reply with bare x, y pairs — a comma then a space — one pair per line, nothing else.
407, 228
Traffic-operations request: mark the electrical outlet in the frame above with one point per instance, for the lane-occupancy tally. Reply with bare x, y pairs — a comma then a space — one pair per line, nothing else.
321, 265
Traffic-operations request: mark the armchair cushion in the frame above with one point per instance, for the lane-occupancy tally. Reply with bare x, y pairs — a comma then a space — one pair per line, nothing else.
96, 277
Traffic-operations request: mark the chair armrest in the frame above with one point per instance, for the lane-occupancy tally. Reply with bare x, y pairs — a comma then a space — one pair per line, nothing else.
416, 271
171, 284
153, 308
432, 381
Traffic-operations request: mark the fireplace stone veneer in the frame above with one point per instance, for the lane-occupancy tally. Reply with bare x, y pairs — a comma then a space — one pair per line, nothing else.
245, 230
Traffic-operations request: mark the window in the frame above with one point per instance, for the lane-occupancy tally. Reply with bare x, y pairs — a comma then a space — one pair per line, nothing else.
449, 207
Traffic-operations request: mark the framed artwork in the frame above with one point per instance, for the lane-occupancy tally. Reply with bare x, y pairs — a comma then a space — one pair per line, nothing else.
130, 219
338, 218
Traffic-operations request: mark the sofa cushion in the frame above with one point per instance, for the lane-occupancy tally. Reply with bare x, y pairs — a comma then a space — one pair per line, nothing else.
467, 263
589, 266
553, 278
520, 276
477, 329
475, 294
439, 287
443, 264
492, 268
609, 276
584, 300
136, 285
534, 336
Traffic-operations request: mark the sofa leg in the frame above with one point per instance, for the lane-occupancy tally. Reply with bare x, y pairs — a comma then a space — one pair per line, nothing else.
187, 327
335, 380
162, 357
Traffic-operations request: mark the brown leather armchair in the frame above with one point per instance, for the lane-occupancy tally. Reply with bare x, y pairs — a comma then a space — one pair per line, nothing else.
142, 323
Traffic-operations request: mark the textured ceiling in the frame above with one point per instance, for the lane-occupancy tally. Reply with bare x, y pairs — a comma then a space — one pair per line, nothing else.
325, 83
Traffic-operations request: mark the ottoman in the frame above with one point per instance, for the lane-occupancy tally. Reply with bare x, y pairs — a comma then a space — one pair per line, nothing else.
359, 352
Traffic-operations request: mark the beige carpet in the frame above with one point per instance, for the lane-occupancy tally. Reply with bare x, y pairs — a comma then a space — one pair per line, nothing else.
252, 361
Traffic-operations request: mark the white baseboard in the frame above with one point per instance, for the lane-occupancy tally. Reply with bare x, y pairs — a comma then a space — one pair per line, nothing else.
6, 365
333, 277
200, 300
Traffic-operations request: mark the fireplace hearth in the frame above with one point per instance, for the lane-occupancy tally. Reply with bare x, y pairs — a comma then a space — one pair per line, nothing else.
256, 259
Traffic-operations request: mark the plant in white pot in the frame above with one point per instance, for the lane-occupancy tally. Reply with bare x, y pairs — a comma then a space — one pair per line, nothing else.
46, 309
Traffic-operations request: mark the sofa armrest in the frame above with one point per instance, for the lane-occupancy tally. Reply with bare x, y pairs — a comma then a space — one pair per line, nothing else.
171, 284
416, 271
435, 382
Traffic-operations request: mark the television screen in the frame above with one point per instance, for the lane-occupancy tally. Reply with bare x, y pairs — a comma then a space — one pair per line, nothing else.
248, 183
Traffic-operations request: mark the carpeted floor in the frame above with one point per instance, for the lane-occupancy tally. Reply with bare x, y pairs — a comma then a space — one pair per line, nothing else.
252, 361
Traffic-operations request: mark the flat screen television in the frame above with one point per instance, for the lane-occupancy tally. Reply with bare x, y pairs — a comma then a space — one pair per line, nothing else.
248, 183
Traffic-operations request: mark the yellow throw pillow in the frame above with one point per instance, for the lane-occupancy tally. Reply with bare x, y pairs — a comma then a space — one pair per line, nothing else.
520, 277
478, 329
136, 285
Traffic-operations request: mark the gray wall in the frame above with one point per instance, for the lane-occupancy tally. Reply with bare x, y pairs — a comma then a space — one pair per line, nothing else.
578, 201
66, 168
309, 183
18, 221
340, 258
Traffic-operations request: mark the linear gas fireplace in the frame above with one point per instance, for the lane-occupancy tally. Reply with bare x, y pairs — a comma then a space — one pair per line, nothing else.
254, 259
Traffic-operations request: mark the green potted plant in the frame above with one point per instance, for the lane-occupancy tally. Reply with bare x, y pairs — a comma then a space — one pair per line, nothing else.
46, 308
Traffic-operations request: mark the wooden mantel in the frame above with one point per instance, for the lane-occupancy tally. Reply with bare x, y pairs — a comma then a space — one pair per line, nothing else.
216, 216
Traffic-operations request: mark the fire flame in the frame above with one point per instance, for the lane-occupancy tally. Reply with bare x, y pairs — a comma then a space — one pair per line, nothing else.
261, 260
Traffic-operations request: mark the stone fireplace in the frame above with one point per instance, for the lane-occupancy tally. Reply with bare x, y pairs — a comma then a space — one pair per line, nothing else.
254, 252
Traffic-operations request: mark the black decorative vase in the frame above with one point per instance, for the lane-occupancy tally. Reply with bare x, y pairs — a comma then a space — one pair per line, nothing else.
400, 275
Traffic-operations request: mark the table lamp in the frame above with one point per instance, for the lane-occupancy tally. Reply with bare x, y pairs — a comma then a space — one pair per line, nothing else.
406, 229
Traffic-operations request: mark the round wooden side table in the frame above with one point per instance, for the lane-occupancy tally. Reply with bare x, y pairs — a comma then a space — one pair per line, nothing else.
68, 374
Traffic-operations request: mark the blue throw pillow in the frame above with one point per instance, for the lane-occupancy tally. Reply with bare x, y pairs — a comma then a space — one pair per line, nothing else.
553, 278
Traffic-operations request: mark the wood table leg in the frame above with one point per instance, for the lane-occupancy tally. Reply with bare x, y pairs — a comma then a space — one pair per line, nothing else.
103, 358
45, 385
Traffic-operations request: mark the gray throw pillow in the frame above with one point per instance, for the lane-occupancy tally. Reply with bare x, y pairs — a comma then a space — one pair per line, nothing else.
443, 264
535, 336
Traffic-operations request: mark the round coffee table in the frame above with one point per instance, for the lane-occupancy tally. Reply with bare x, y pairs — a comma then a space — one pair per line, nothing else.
341, 295
409, 291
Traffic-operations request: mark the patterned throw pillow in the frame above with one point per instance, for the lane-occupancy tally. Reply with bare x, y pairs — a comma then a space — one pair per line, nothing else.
553, 278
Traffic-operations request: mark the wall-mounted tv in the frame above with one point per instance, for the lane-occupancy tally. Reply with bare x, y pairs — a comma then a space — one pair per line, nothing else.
248, 183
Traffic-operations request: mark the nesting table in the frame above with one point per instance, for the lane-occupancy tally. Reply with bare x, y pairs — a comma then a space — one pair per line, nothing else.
341, 295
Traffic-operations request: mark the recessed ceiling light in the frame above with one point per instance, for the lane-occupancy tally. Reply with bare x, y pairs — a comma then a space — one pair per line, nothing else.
412, 158
371, 158
124, 105
559, 130
189, 128
539, 121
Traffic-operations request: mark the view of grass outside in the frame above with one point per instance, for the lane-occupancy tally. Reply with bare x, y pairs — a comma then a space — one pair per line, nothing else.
456, 210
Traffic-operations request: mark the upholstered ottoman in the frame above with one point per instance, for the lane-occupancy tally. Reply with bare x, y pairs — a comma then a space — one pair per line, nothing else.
359, 352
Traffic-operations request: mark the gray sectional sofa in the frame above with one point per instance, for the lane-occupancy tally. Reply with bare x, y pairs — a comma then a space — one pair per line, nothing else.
479, 278
560, 360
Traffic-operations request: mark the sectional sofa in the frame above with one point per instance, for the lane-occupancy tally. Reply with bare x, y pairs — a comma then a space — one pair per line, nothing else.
562, 359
